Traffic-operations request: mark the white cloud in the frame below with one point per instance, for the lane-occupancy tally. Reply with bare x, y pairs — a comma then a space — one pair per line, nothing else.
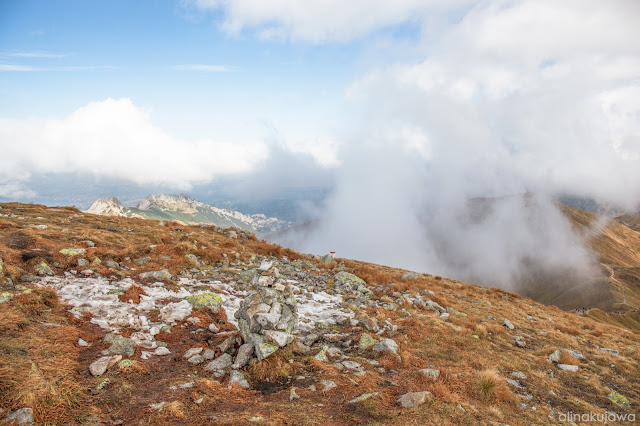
203, 67
28, 68
116, 139
320, 20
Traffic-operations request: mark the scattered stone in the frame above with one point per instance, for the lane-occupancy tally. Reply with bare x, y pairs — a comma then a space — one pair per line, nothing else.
366, 341
175, 311
568, 367
220, 363
43, 269
162, 351
237, 378
519, 341
209, 300
162, 275
191, 352
196, 360
213, 328
516, 384
414, 399
293, 395
81, 342
410, 276
386, 345
73, 251
279, 338
518, 375
508, 324
322, 355
328, 385
244, 356
618, 399
209, 354
23, 416
97, 368
430, 373
82, 262
142, 260
554, 356
157, 405
363, 397
611, 352
349, 280
119, 345
125, 363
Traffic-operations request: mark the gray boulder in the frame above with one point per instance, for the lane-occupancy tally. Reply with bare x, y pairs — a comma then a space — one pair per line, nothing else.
23, 416
414, 399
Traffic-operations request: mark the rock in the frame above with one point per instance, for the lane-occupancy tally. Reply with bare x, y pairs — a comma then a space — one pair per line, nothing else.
366, 341
209, 354
370, 324
327, 259
611, 352
161, 351
516, 384
82, 262
73, 251
445, 316
244, 356
119, 345
142, 260
518, 375
554, 356
410, 276
414, 399
328, 385
279, 338
125, 363
97, 368
351, 365
386, 345
81, 342
220, 364
191, 352
567, 367
213, 328
43, 269
618, 399
293, 395
209, 300
265, 265
508, 324
162, 275
196, 360
176, 311
430, 373
237, 378
363, 397
322, 355
229, 344
23, 416
111, 264
348, 280
519, 341
267, 309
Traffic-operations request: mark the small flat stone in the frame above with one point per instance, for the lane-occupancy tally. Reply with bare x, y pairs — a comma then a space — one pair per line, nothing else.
568, 367
363, 397
97, 368
414, 399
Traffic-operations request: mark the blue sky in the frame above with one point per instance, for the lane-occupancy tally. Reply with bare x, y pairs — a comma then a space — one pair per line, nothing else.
91, 51
511, 95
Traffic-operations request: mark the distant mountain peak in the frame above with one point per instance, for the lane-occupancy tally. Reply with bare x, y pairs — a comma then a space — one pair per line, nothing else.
109, 206
189, 210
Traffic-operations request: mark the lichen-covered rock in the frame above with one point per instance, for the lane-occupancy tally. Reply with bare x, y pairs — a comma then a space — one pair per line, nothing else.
119, 345
618, 399
366, 341
348, 279
244, 356
73, 251
43, 269
209, 300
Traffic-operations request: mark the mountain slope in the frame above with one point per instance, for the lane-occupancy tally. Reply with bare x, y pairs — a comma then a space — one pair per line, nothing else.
186, 209
126, 279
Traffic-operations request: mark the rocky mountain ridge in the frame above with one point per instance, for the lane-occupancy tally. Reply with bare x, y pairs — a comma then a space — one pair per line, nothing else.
188, 210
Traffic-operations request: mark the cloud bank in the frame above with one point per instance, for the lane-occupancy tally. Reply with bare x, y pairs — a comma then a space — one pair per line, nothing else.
115, 139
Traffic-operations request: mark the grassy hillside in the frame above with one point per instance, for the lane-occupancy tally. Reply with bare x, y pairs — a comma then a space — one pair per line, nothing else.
488, 372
